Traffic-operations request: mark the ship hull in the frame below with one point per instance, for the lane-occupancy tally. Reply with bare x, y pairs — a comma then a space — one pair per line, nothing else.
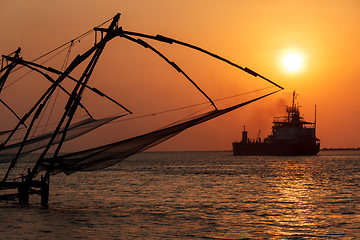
275, 149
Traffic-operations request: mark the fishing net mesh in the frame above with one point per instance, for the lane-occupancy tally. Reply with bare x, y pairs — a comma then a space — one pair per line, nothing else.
38, 142
107, 155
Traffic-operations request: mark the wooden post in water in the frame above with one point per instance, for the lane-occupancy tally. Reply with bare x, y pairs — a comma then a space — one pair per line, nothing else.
44, 192
23, 193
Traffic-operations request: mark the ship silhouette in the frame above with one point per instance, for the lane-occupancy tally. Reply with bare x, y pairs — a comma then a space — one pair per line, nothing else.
291, 136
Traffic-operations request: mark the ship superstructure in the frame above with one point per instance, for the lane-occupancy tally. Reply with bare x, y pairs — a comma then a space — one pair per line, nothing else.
291, 135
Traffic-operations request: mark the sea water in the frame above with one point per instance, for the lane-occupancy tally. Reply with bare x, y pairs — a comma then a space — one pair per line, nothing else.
198, 195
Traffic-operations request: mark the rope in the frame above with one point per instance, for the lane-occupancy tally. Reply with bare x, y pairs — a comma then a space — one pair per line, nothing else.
30, 70
67, 56
70, 43
190, 106
186, 117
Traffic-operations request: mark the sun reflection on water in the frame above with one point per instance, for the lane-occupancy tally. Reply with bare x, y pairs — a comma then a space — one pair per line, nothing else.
302, 200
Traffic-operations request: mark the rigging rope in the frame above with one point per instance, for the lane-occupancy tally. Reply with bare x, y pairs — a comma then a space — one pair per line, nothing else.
71, 42
186, 117
67, 56
31, 70
189, 106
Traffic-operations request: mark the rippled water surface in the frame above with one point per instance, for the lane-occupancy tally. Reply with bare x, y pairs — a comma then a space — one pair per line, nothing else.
199, 195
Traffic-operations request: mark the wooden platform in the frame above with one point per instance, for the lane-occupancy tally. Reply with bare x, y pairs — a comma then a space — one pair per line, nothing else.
24, 190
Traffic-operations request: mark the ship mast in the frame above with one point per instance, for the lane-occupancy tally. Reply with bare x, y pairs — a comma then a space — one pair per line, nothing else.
315, 121
293, 100
292, 111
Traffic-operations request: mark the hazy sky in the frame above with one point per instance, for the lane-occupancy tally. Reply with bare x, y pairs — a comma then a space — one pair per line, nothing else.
254, 34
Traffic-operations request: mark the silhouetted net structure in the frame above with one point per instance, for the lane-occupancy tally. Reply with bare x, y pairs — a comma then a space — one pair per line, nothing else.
107, 155
91, 159
39, 142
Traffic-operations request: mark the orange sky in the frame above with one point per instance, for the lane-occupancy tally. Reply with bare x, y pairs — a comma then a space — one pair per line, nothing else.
254, 34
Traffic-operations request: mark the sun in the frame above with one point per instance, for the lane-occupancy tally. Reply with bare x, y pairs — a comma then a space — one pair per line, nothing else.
292, 62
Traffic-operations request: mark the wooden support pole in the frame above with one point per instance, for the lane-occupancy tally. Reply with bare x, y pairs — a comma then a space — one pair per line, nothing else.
44, 192
23, 191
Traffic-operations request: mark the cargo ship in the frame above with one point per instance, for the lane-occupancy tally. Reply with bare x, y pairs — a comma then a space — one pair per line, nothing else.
291, 136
